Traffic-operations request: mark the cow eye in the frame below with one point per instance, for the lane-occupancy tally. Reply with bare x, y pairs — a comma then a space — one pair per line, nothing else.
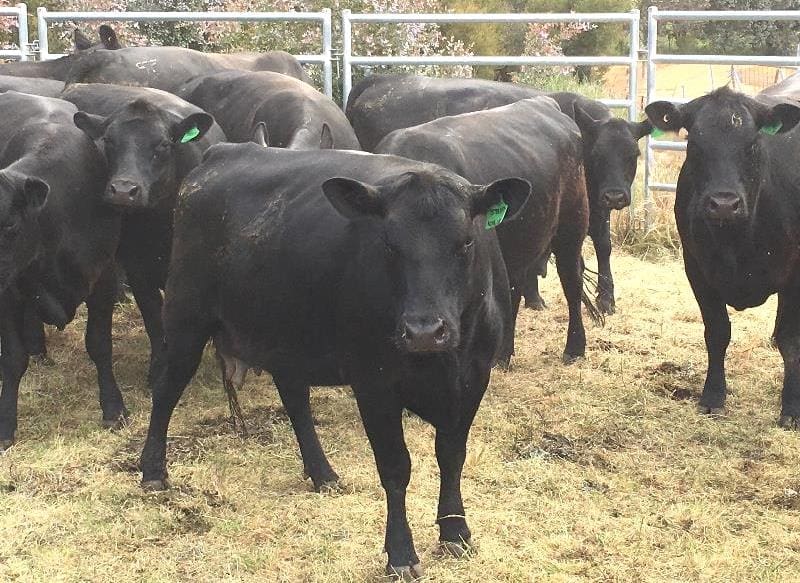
466, 246
162, 148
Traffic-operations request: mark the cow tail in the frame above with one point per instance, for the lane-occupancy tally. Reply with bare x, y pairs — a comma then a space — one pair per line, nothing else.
590, 284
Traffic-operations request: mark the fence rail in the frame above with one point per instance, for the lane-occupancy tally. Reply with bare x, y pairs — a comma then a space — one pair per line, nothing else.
20, 12
323, 18
350, 60
654, 16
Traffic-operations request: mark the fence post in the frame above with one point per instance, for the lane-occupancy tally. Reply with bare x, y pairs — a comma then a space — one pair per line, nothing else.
649, 165
347, 72
633, 75
41, 22
327, 41
22, 21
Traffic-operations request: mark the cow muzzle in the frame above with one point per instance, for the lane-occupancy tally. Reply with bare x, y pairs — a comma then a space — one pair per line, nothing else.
125, 193
724, 207
616, 199
425, 334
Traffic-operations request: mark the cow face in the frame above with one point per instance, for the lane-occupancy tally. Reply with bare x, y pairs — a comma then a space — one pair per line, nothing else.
611, 152
432, 230
143, 146
724, 156
21, 199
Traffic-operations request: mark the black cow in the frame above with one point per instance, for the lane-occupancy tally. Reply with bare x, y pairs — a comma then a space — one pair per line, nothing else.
151, 140
737, 209
789, 88
20, 109
392, 285
57, 251
534, 140
169, 68
381, 104
31, 85
296, 115
58, 69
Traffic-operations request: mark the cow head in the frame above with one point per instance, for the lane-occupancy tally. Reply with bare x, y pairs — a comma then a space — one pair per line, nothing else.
21, 199
143, 145
430, 236
724, 156
610, 152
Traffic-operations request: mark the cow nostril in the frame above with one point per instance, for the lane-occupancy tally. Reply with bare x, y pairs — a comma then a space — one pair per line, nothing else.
713, 204
133, 192
735, 205
440, 334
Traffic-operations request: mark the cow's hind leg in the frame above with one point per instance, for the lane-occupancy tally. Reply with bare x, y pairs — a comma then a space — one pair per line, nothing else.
570, 271
295, 397
100, 306
188, 335
600, 232
787, 337
13, 363
33, 336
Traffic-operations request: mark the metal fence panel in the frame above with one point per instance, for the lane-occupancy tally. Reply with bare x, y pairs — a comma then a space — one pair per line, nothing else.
654, 15
349, 60
323, 18
20, 12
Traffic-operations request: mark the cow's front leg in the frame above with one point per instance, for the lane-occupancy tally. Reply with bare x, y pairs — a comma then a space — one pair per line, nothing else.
600, 232
787, 337
382, 419
717, 336
13, 364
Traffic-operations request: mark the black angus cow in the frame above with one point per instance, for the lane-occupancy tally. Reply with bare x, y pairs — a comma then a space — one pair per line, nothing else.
31, 85
532, 139
57, 251
20, 109
380, 104
151, 140
169, 68
58, 69
296, 115
392, 285
737, 208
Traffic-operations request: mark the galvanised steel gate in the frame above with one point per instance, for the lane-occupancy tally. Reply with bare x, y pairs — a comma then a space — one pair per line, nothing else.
323, 18
349, 60
20, 12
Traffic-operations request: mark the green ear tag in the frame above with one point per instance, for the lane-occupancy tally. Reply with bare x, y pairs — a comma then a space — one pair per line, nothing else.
771, 130
657, 133
190, 135
496, 214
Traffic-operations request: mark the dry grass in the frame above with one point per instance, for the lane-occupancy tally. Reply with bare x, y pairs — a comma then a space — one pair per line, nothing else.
597, 471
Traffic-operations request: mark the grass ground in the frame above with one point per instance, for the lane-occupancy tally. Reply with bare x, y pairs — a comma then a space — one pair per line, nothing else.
598, 471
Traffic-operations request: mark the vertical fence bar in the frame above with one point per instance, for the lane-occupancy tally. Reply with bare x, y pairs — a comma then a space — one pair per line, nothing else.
41, 22
327, 44
649, 163
633, 75
347, 46
22, 21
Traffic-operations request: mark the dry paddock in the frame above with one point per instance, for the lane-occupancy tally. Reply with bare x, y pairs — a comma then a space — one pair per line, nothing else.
598, 471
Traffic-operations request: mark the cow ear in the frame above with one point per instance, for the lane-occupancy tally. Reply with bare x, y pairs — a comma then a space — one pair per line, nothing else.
109, 38
81, 41
500, 201
326, 138
781, 118
587, 124
640, 129
353, 199
665, 115
191, 128
31, 195
92, 125
261, 135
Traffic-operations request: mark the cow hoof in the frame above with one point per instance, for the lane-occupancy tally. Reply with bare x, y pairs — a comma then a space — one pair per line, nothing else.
538, 305
791, 422
122, 421
330, 487
504, 363
568, 358
459, 550
6, 444
408, 573
42, 360
606, 306
713, 411
155, 485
